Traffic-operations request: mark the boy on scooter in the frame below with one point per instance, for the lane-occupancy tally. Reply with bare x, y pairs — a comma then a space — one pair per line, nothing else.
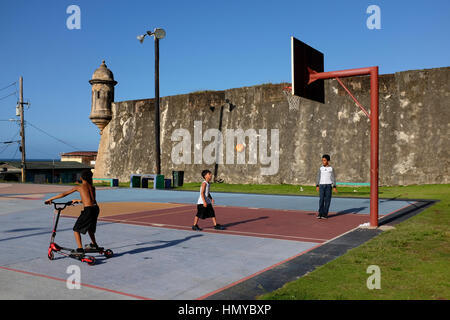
87, 221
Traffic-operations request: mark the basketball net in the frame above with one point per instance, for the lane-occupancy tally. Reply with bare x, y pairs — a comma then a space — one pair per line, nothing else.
293, 101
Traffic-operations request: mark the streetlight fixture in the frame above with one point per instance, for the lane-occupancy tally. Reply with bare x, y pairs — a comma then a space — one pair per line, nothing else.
158, 33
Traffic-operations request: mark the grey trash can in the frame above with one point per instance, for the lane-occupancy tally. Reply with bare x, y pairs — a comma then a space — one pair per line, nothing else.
177, 178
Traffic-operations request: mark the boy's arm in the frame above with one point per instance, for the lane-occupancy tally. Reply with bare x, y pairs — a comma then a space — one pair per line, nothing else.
202, 193
210, 197
61, 195
333, 178
318, 180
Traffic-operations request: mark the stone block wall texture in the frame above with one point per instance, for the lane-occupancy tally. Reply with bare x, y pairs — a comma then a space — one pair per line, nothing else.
414, 131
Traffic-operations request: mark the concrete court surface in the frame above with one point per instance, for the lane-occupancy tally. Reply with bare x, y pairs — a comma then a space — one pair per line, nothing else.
157, 255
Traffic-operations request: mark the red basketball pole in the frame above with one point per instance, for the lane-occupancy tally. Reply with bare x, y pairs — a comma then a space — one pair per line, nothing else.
373, 72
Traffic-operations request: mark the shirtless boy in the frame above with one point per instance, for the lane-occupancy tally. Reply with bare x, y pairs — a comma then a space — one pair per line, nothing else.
87, 221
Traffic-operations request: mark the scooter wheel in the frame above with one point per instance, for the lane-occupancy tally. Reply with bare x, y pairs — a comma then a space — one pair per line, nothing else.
108, 253
89, 260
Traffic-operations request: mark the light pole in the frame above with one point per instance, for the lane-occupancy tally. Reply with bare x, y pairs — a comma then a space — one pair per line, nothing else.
158, 33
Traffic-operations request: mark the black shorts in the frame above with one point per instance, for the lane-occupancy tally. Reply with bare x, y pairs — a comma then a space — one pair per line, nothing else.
87, 221
204, 213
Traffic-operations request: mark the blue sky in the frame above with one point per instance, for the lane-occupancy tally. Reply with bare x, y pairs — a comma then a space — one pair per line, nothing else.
210, 45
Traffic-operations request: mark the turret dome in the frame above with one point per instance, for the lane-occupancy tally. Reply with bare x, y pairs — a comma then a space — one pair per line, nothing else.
103, 73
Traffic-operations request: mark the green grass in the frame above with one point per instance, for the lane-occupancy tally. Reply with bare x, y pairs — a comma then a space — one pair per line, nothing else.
413, 258
414, 191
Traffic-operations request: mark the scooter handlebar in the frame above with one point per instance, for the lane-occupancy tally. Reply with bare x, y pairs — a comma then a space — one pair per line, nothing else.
61, 205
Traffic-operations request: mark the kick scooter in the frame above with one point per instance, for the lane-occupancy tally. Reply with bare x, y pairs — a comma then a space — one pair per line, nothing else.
68, 252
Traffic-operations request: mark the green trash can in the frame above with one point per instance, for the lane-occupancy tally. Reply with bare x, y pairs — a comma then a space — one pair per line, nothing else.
177, 178
159, 181
136, 181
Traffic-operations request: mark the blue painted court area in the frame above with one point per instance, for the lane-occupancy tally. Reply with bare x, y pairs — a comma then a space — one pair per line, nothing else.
149, 262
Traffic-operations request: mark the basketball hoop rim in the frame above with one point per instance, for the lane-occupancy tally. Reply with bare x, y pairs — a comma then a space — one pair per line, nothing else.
292, 99
288, 90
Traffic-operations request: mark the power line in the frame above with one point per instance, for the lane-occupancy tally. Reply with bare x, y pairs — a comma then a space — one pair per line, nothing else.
48, 134
8, 86
48, 155
15, 152
6, 147
8, 95
9, 143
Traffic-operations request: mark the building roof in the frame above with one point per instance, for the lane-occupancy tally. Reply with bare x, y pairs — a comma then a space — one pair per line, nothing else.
46, 165
80, 153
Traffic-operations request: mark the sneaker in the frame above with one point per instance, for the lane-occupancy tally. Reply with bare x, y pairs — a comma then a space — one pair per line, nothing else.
196, 228
91, 246
219, 227
325, 218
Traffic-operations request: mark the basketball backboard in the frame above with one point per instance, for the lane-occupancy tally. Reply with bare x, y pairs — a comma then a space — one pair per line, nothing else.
304, 60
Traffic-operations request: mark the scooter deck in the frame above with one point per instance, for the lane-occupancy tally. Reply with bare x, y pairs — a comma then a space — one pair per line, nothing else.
106, 252
99, 249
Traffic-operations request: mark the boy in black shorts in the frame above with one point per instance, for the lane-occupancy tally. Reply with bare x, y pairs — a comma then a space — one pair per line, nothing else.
87, 221
204, 203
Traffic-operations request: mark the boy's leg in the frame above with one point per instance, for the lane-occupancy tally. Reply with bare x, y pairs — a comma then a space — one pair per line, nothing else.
92, 236
216, 225
327, 200
321, 199
78, 239
195, 220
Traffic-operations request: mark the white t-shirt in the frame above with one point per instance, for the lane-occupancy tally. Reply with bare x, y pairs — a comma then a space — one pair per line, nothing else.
208, 200
326, 176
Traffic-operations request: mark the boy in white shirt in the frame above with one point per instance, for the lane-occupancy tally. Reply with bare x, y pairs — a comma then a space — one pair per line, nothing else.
204, 204
326, 180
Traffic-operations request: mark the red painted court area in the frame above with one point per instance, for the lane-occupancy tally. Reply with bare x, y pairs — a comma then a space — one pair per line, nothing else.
294, 225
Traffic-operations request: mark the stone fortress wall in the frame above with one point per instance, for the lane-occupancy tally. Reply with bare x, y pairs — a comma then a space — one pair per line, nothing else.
414, 133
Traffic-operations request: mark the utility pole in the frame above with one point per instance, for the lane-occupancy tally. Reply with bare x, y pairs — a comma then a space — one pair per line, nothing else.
22, 129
